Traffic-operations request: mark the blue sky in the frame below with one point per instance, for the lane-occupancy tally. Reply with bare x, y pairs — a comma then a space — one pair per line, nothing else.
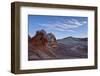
60, 26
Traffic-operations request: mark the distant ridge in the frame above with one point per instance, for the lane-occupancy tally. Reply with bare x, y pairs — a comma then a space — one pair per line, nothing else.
75, 38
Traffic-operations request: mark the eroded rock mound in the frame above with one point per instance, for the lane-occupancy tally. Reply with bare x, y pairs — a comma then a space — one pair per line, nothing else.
39, 47
52, 40
40, 41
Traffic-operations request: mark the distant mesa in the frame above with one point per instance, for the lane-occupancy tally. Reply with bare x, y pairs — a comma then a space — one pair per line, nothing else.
74, 38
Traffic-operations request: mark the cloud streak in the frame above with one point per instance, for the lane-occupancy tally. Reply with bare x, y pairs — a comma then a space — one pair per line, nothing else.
63, 24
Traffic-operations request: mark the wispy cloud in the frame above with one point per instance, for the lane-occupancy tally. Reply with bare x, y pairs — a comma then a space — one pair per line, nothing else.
63, 24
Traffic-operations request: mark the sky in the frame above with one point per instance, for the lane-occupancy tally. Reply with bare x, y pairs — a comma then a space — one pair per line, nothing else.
60, 26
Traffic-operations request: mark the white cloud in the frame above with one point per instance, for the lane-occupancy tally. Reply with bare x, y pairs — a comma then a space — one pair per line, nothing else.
64, 25
84, 22
71, 30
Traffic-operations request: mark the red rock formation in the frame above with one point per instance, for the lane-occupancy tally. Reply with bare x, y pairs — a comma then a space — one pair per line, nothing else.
40, 41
